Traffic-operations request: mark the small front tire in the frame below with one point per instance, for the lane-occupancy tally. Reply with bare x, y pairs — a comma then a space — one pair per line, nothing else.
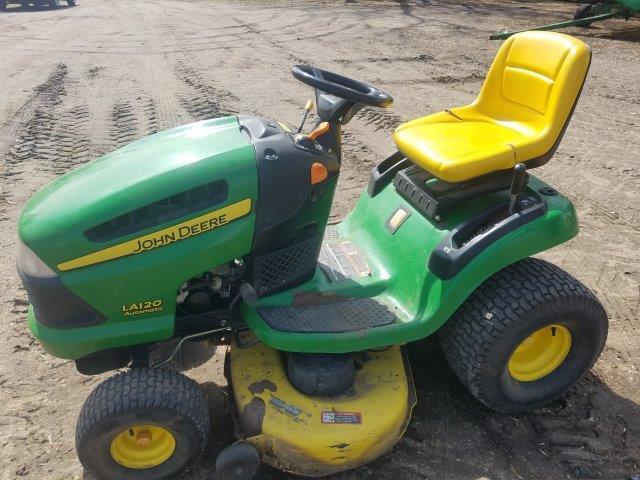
145, 424
524, 336
239, 461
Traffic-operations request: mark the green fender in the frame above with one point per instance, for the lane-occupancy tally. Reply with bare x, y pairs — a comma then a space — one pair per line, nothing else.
400, 278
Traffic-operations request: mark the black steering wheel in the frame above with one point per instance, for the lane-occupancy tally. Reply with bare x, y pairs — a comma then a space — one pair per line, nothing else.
342, 87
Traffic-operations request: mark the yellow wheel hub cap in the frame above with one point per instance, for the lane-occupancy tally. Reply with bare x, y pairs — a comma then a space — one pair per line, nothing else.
540, 353
143, 446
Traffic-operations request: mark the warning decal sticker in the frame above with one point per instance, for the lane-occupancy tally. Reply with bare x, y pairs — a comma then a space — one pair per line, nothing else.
343, 418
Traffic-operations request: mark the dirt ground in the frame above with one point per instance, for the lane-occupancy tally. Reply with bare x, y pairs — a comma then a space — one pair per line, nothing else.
78, 82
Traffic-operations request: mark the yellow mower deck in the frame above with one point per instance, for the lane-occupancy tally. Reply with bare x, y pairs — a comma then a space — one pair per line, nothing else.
318, 436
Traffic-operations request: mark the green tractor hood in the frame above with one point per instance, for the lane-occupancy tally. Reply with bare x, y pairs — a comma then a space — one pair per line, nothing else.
152, 170
198, 181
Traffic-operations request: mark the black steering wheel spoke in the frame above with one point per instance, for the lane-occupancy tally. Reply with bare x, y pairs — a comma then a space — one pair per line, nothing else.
341, 86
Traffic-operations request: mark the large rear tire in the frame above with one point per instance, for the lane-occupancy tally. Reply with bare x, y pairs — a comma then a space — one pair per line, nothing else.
524, 336
145, 424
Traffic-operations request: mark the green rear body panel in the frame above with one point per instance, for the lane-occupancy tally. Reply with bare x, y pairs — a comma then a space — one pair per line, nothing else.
54, 221
400, 278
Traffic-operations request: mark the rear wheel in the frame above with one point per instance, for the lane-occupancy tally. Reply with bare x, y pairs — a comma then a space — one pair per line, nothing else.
54, 3
71, 3
145, 424
524, 336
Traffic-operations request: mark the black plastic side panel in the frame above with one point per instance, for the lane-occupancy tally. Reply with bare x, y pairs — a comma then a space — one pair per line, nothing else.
383, 173
468, 240
434, 197
56, 306
283, 176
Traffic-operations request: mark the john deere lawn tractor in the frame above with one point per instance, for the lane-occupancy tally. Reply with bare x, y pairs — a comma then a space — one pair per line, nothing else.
218, 231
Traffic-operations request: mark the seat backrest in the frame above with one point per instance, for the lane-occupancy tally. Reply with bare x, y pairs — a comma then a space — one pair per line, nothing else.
533, 85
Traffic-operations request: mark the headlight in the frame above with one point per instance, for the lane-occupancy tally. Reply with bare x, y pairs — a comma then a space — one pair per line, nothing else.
30, 264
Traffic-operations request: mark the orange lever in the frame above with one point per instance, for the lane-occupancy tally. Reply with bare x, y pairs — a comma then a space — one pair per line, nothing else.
319, 130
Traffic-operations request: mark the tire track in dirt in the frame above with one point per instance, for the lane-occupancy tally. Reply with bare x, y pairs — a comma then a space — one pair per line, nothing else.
380, 119
162, 92
124, 127
202, 100
72, 145
422, 58
205, 101
53, 137
34, 136
151, 114
576, 431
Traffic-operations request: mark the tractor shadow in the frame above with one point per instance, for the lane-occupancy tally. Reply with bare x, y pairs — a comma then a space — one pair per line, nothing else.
627, 32
590, 432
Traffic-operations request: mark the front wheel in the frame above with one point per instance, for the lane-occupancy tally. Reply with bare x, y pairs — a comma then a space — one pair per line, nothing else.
71, 3
145, 424
524, 336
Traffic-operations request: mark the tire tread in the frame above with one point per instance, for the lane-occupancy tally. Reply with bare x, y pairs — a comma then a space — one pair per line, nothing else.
467, 338
143, 388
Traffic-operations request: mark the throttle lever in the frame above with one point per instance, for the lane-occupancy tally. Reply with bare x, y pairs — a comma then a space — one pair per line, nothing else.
307, 108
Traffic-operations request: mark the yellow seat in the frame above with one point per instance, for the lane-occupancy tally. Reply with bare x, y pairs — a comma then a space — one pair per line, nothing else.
519, 116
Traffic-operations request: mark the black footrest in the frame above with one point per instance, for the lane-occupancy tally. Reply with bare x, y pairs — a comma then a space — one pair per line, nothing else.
343, 316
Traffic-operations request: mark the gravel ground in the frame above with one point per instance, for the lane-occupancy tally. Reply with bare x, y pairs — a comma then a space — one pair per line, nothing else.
78, 82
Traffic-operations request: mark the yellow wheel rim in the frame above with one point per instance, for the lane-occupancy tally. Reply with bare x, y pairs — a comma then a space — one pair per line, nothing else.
143, 446
540, 353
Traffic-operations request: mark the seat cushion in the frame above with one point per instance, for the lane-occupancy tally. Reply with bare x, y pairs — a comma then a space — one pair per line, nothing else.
520, 114
456, 150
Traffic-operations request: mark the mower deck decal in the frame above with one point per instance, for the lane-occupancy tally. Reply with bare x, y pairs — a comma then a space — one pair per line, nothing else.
175, 233
341, 418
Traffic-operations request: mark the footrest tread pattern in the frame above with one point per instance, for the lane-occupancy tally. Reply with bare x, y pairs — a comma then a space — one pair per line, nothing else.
345, 316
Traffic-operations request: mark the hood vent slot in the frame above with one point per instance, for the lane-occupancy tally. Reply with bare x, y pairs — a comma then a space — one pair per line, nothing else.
162, 211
